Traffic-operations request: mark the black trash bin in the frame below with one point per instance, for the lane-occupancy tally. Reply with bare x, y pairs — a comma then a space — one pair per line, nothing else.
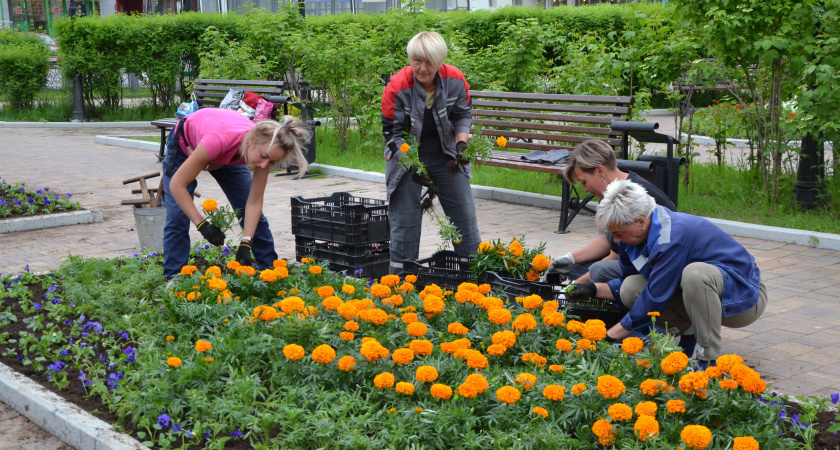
664, 174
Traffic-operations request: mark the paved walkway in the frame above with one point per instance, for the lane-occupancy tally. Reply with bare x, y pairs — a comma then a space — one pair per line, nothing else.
794, 345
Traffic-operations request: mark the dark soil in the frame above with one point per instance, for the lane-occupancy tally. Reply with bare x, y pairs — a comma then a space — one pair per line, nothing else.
76, 394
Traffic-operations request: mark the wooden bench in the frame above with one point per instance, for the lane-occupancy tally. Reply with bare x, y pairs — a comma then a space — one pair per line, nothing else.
548, 122
209, 93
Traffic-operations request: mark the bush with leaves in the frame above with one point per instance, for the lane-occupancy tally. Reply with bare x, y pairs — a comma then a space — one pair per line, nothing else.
24, 66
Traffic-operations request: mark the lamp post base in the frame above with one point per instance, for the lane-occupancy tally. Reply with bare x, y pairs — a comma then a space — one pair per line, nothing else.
78, 114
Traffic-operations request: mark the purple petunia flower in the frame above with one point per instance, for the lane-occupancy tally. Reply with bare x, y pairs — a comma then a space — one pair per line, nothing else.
236, 434
153, 254
47, 201
835, 397
55, 300
83, 378
36, 305
163, 420
72, 305
26, 268
189, 434
57, 366
39, 192
177, 427
64, 352
69, 195
131, 353
124, 335
20, 357
68, 322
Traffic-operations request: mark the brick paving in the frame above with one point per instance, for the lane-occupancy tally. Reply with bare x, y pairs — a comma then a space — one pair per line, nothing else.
794, 345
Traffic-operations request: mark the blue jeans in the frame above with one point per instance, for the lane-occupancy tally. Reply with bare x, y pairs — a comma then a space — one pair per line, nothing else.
405, 216
235, 181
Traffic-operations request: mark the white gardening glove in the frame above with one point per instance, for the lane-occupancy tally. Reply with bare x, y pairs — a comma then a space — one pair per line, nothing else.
562, 266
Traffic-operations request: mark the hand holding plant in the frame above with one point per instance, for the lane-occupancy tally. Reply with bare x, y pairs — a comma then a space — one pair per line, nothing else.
513, 259
219, 220
478, 147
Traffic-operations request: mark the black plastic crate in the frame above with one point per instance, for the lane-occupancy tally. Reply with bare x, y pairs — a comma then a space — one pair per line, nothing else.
516, 287
593, 308
341, 218
444, 268
373, 258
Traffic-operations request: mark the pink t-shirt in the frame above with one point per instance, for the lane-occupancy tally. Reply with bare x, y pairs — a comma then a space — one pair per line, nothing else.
221, 132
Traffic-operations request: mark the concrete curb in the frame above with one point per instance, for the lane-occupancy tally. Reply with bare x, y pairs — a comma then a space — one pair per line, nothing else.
128, 143
75, 125
64, 420
50, 220
814, 239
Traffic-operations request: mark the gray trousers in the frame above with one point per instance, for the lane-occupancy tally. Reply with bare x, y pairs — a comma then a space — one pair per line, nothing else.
406, 217
697, 303
603, 271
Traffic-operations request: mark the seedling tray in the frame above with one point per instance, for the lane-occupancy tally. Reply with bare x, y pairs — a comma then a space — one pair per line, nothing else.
516, 287
341, 218
372, 258
444, 268
593, 308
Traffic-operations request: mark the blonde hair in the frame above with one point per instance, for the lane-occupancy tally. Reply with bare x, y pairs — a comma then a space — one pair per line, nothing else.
291, 135
428, 45
588, 156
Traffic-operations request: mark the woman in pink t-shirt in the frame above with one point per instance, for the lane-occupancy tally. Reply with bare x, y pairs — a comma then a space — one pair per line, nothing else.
226, 144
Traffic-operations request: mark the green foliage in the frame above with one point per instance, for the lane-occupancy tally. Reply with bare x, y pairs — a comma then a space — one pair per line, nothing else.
24, 66
226, 58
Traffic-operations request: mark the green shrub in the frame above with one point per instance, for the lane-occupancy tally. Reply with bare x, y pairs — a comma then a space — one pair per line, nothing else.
24, 66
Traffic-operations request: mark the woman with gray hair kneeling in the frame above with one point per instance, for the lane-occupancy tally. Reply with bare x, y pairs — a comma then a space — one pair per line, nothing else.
681, 266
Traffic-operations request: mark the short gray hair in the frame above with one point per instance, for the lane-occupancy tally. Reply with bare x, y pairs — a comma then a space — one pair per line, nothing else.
428, 45
624, 201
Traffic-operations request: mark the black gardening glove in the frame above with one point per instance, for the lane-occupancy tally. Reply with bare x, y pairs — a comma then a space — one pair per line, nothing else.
243, 254
211, 232
460, 147
581, 291
422, 180
456, 165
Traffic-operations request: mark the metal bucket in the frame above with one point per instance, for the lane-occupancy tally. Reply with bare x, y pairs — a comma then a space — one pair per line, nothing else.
150, 223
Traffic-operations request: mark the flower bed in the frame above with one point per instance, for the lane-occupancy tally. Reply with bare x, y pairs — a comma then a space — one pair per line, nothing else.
299, 357
16, 200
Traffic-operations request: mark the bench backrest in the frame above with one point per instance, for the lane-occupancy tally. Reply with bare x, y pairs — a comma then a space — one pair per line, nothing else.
550, 121
211, 92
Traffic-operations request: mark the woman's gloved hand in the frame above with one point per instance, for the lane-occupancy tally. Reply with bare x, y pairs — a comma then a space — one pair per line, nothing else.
581, 291
243, 254
212, 233
422, 180
562, 265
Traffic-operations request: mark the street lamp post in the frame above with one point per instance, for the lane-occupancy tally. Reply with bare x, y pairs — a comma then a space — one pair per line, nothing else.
78, 114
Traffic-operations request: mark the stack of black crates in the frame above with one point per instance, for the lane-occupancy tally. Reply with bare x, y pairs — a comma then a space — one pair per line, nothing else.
349, 233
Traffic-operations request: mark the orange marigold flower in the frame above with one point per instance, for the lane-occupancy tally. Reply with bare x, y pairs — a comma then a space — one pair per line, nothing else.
280, 263
553, 319
501, 141
426, 374
375, 316
556, 368
384, 380
232, 265
268, 275
485, 247
653, 313
390, 280
554, 392
574, 326
405, 388
373, 351
696, 437
405, 147
193, 296
619, 412
393, 301
508, 394
674, 363
326, 291
202, 346
645, 427
213, 271
534, 358
594, 330
457, 328
652, 388
265, 313
499, 316
208, 360
433, 304
347, 336
540, 263
578, 388
421, 347
348, 289
476, 360
491, 303
603, 429
406, 287
745, 443
646, 409
526, 380
584, 345
409, 318
632, 345
496, 350
188, 270
245, 270
524, 322
403, 356
217, 284
174, 361
347, 310
351, 326
714, 372
694, 381
610, 387
516, 249
467, 390
675, 406
564, 345
331, 303
504, 337
411, 278
294, 352
292, 304
441, 391
315, 270
478, 381
209, 205
726, 362
540, 411
323, 354
728, 384
281, 272
380, 291
417, 329
643, 362
532, 302
170, 338
347, 364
